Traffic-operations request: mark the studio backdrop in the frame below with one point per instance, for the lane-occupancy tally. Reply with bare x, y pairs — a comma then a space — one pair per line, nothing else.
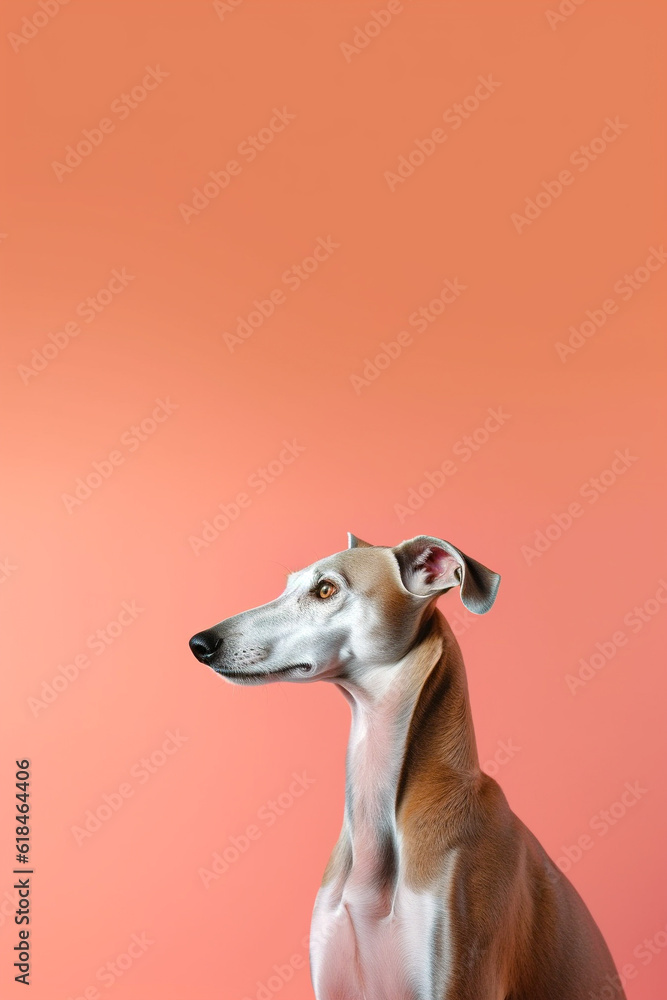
273, 272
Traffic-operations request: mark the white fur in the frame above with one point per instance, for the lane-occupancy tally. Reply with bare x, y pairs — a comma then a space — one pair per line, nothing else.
365, 943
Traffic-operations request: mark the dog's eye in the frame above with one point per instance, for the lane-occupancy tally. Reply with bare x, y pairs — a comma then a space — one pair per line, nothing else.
326, 589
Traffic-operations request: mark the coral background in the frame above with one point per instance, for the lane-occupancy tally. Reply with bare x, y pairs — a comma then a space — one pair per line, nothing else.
365, 438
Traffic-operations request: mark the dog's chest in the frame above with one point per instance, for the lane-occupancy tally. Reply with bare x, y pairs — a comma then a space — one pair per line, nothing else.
373, 936
362, 952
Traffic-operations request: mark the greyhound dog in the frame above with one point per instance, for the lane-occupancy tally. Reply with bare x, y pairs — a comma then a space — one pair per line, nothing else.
434, 890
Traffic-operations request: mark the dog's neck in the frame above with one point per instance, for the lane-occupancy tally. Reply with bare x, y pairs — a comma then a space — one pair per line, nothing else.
411, 741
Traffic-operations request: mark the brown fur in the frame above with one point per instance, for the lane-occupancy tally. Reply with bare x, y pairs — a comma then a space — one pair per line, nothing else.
516, 918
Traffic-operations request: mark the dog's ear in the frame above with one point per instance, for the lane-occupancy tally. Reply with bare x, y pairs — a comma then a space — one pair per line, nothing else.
356, 543
431, 566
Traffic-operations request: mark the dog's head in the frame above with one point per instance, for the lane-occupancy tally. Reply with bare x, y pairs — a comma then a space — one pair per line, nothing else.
356, 609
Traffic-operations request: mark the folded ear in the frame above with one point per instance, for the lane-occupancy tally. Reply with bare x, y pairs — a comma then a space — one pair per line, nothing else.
430, 566
356, 543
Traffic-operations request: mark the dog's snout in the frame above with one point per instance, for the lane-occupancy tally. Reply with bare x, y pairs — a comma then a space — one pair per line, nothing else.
205, 644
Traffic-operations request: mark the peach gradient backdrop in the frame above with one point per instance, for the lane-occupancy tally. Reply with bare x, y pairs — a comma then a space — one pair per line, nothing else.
67, 573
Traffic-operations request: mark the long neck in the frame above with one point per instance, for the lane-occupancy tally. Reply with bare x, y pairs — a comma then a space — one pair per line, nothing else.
411, 745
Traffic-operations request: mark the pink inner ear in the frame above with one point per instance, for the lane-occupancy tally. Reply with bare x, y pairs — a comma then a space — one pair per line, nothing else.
437, 565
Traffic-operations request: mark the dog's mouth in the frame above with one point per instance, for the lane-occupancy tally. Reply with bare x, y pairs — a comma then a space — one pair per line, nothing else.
294, 672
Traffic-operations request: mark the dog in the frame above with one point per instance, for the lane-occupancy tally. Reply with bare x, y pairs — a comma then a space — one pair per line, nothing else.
435, 890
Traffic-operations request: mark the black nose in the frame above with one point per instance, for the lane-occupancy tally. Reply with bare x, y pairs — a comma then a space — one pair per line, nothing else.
205, 644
